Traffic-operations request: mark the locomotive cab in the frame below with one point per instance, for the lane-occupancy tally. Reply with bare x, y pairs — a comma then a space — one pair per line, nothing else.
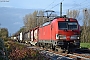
67, 33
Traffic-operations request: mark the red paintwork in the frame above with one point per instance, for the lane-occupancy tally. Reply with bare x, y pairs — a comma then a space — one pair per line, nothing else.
45, 33
49, 32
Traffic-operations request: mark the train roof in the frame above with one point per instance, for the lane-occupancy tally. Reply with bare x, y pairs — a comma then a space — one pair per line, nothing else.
58, 17
46, 23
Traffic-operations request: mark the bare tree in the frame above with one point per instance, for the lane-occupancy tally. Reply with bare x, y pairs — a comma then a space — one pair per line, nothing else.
31, 20
73, 13
85, 35
40, 19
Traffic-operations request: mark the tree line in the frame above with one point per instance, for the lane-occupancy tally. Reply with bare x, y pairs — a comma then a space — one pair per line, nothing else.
37, 18
3, 32
31, 21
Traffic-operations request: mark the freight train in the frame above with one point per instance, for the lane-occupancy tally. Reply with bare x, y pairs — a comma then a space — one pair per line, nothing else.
61, 32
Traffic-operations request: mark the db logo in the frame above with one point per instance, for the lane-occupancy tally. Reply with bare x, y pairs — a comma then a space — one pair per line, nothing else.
68, 36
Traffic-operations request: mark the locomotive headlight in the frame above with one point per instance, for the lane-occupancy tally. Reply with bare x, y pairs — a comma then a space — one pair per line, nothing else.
75, 37
78, 37
62, 36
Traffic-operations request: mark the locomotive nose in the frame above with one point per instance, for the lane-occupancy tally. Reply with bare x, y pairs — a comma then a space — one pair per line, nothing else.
67, 37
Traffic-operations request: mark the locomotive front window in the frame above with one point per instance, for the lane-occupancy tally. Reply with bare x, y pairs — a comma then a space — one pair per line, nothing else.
62, 25
68, 25
72, 26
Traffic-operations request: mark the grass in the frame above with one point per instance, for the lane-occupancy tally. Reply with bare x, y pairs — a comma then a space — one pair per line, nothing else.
85, 45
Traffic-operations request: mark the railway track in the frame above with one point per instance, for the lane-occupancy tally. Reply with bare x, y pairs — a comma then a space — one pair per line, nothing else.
74, 56
57, 55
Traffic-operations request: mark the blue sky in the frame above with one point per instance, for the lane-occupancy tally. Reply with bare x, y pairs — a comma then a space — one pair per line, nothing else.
45, 4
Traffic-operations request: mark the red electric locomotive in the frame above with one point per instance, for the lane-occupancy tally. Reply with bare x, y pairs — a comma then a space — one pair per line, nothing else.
61, 32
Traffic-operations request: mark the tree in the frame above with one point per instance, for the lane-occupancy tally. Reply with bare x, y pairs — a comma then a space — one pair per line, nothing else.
4, 33
41, 19
73, 13
37, 18
30, 20
85, 35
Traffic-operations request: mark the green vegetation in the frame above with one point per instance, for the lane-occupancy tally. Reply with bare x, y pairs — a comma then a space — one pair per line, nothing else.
3, 51
85, 45
3, 32
18, 51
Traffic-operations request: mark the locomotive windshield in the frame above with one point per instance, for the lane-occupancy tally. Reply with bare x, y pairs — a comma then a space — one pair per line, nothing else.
68, 25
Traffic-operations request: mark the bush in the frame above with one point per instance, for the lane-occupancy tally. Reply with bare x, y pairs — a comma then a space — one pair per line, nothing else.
2, 58
17, 51
3, 51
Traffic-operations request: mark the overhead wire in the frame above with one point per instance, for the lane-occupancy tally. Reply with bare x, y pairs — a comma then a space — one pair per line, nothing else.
67, 9
53, 6
49, 4
75, 7
56, 5
79, 5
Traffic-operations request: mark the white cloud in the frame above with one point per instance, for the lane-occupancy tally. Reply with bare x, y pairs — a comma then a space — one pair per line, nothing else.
16, 23
19, 16
7, 6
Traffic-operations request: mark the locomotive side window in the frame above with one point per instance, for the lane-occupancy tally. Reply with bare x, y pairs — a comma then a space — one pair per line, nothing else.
68, 25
